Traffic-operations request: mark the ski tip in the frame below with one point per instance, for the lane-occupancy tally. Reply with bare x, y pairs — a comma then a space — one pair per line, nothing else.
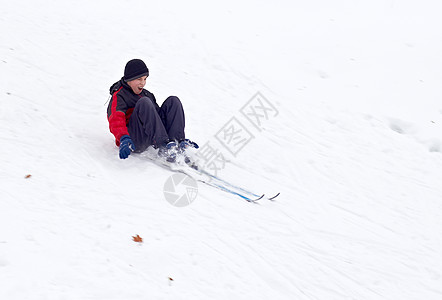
257, 199
273, 198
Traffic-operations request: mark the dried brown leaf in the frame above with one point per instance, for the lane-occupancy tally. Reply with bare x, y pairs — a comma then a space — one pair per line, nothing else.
137, 239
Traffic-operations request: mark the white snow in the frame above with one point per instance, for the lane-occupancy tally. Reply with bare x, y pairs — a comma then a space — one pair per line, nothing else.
355, 150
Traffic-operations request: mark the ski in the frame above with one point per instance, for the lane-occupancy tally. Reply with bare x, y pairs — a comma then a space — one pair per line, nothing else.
212, 180
213, 177
219, 184
225, 189
228, 184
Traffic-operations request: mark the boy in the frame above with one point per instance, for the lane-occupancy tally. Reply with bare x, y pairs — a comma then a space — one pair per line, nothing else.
136, 120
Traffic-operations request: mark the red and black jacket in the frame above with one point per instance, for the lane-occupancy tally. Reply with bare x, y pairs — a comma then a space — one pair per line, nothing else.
121, 106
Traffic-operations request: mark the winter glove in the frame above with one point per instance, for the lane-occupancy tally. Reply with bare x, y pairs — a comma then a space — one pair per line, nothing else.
126, 146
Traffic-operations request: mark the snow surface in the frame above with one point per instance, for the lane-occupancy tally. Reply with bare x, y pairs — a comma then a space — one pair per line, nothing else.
355, 151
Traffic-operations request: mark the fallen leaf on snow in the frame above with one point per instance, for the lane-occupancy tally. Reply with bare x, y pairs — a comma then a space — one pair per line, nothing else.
137, 239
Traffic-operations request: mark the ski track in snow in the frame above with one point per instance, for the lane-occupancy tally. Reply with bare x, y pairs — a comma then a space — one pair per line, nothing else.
356, 158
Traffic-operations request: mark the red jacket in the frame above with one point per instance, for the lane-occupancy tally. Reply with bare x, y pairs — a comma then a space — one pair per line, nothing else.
121, 106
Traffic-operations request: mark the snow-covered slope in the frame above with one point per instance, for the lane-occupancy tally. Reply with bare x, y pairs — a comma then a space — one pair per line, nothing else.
355, 150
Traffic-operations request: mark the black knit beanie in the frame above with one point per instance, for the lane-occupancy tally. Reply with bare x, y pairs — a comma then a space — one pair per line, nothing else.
134, 69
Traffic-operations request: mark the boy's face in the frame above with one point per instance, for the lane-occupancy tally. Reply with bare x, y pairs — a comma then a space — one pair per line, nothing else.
138, 84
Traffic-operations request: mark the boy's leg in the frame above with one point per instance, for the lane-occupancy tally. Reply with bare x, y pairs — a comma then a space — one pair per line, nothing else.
145, 126
172, 115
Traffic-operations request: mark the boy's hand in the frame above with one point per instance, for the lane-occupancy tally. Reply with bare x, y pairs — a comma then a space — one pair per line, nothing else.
126, 146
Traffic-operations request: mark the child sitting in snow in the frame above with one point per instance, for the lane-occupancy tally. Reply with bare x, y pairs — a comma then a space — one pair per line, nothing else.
136, 120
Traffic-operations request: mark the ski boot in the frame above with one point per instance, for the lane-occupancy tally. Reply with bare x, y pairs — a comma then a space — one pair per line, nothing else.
169, 151
185, 145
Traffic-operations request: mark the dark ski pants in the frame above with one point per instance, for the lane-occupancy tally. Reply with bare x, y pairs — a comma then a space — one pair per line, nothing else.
147, 126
